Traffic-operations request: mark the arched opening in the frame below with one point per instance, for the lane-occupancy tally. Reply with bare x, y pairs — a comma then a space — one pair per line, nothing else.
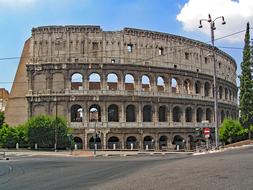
179, 142
160, 84
226, 93
220, 92
78, 141
163, 142
187, 86
199, 115
95, 109
97, 144
162, 114
112, 81
113, 143
188, 114
148, 143
222, 115
227, 114
207, 89
76, 113
177, 114
131, 143
129, 82
174, 85
145, 83
197, 87
230, 95
76, 81
147, 113
130, 113
94, 81
113, 115
209, 115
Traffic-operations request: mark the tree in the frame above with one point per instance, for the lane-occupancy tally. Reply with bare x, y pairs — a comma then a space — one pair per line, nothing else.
42, 130
1, 119
246, 84
230, 129
8, 137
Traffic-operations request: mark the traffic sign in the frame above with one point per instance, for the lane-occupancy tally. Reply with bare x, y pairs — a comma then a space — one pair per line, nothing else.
206, 131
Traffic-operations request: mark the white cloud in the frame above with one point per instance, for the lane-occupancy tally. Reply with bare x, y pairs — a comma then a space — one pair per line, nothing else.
236, 13
16, 3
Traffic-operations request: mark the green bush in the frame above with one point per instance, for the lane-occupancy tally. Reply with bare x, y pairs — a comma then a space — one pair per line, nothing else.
42, 130
230, 130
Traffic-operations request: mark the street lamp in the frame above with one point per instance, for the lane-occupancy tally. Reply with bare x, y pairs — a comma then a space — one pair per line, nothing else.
94, 117
212, 28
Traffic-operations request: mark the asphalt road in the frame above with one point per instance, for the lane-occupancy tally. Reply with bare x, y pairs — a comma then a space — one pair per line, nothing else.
227, 170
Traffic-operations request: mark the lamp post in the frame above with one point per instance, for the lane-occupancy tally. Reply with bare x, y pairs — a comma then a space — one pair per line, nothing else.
93, 117
212, 28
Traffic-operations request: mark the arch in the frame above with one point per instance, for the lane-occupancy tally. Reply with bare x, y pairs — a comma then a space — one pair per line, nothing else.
112, 81
94, 81
129, 82
97, 142
76, 81
147, 113
226, 93
207, 88
187, 86
131, 142
209, 115
220, 92
79, 142
188, 114
163, 142
113, 113
162, 114
58, 82
177, 113
227, 114
130, 113
197, 87
179, 142
113, 142
160, 84
76, 112
199, 115
148, 142
230, 95
175, 85
95, 108
222, 115
145, 83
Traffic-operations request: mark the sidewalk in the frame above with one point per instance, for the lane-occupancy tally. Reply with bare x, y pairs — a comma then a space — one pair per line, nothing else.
84, 153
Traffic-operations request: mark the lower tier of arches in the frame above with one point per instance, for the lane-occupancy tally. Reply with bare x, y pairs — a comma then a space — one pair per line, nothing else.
138, 139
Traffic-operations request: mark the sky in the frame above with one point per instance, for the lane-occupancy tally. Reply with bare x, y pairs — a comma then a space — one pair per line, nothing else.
179, 17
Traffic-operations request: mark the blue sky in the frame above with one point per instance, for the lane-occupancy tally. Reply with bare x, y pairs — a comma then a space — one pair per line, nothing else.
180, 17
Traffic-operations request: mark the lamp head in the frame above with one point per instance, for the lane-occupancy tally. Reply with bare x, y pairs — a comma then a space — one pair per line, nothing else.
209, 18
200, 24
223, 20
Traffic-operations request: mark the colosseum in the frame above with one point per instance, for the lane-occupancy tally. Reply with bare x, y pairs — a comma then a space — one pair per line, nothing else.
150, 89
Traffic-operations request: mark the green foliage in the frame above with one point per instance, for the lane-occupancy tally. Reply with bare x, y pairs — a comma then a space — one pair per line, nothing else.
230, 129
246, 83
1, 119
42, 130
8, 137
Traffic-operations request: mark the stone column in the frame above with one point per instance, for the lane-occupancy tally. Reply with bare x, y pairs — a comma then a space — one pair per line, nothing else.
140, 112
85, 143
104, 140
123, 141
104, 81
122, 118
156, 141
183, 116
171, 115
155, 113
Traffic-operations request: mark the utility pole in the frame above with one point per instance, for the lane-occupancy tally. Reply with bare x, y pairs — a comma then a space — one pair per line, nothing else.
212, 28
55, 129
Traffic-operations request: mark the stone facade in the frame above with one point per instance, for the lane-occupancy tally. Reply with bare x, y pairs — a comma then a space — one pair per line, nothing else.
150, 89
4, 95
